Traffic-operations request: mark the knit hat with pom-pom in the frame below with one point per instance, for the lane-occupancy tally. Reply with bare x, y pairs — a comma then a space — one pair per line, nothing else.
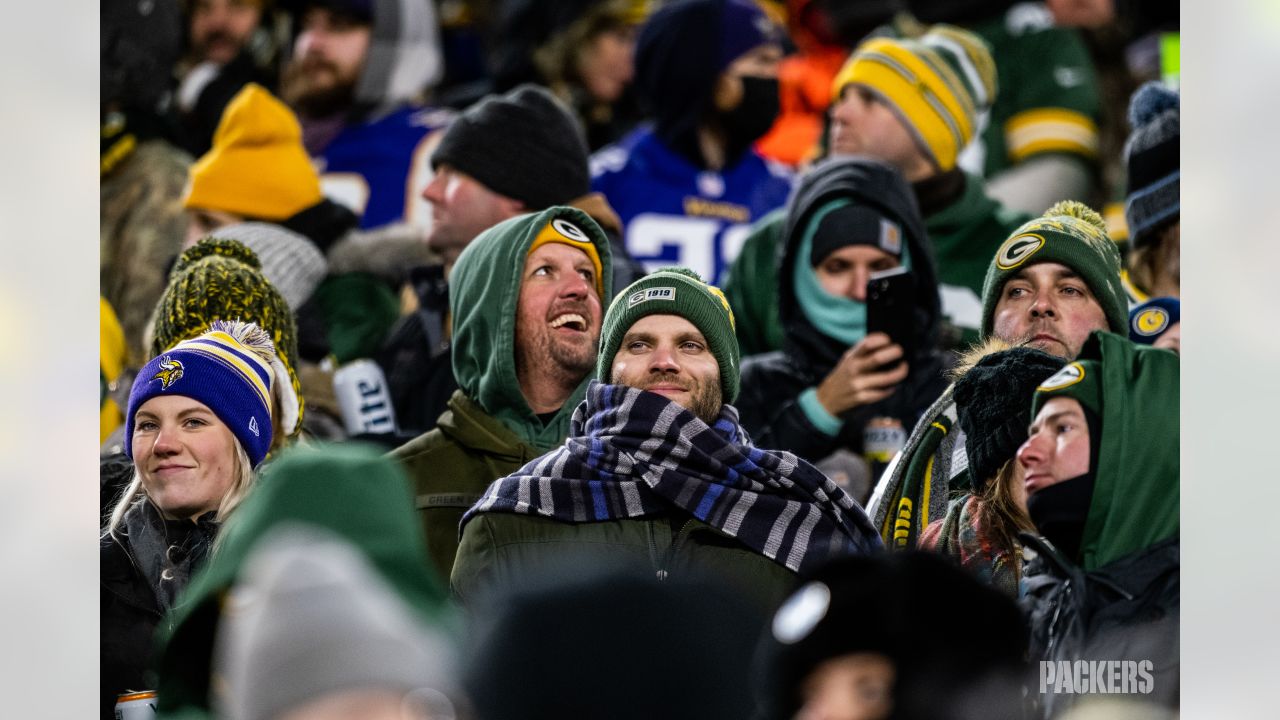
675, 291
1151, 159
218, 279
232, 369
1072, 234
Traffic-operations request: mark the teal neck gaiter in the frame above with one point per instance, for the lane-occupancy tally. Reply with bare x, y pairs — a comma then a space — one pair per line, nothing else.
836, 317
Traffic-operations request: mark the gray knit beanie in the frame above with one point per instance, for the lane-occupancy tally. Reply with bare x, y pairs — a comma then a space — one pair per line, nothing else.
290, 261
1152, 162
310, 617
525, 145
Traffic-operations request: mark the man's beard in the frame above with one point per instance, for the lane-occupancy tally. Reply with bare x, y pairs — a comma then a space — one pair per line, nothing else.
555, 359
299, 90
705, 400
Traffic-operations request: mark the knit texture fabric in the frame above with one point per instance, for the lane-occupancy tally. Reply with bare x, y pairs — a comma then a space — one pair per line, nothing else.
631, 454
1151, 157
1073, 235
1153, 318
993, 402
962, 536
290, 261
222, 280
524, 144
675, 291
257, 167
938, 84
219, 371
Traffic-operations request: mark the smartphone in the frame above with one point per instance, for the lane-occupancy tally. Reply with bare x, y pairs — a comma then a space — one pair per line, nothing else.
891, 307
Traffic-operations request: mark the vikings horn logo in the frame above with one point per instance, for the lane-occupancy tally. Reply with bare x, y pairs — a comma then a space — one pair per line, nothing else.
170, 372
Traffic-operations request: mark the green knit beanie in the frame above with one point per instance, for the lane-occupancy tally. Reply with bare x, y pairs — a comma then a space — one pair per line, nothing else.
1073, 235
218, 279
675, 291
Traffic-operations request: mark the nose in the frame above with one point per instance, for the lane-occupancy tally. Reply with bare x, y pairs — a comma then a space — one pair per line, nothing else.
1033, 451
663, 360
166, 443
434, 191
575, 286
1042, 306
857, 289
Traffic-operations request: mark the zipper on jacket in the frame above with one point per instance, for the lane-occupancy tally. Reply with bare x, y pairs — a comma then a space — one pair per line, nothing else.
653, 551
680, 536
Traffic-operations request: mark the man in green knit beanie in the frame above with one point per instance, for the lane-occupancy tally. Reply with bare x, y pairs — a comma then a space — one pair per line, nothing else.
1053, 281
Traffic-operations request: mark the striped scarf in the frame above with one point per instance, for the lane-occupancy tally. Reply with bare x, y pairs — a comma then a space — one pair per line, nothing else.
632, 454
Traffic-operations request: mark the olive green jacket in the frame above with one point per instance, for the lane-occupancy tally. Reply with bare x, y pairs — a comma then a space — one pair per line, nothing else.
500, 551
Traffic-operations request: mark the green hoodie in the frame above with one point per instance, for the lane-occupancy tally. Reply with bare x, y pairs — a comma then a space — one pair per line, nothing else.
348, 490
1133, 389
489, 430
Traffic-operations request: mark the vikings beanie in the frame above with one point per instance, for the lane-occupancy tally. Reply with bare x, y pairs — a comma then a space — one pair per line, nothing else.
1071, 234
1151, 158
938, 84
221, 280
994, 409
257, 167
222, 369
675, 291
524, 144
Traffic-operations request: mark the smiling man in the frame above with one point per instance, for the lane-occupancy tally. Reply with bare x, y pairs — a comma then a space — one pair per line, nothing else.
1053, 281
657, 477
526, 300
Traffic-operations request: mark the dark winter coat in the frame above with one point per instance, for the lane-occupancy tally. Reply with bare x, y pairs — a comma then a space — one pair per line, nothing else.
144, 566
773, 382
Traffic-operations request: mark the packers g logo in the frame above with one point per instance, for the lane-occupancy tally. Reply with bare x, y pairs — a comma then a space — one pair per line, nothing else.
1066, 377
1016, 250
569, 230
1151, 321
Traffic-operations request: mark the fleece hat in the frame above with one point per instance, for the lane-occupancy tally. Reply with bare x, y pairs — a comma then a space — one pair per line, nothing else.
1151, 319
1151, 158
994, 409
290, 262
938, 85
675, 291
222, 369
257, 167
1071, 234
525, 145
222, 280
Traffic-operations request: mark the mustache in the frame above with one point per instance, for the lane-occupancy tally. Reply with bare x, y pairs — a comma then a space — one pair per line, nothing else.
581, 307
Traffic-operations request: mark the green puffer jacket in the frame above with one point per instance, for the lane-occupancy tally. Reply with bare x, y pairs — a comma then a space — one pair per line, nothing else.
498, 550
489, 430
964, 237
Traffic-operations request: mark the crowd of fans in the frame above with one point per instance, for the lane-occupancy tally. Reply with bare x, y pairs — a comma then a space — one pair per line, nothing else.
420, 396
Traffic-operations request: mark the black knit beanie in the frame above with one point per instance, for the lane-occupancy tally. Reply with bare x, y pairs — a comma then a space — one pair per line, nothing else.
993, 402
525, 145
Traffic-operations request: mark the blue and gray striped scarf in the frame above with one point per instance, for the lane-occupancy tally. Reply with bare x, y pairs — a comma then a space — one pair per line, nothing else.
632, 454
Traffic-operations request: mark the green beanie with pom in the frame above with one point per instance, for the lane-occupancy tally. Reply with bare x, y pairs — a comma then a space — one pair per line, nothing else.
1069, 233
682, 292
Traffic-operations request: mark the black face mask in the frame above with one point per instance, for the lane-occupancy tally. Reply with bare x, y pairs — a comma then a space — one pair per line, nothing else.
1060, 511
752, 117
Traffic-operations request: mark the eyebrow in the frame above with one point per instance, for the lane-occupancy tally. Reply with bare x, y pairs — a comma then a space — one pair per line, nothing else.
1048, 419
183, 414
649, 338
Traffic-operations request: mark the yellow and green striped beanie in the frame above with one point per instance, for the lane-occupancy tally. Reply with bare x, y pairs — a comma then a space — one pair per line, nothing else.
939, 84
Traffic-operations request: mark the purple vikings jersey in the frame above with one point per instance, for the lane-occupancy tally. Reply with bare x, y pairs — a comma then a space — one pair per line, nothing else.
676, 214
380, 168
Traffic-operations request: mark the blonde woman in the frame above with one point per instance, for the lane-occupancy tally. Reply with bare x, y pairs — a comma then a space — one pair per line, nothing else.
198, 424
